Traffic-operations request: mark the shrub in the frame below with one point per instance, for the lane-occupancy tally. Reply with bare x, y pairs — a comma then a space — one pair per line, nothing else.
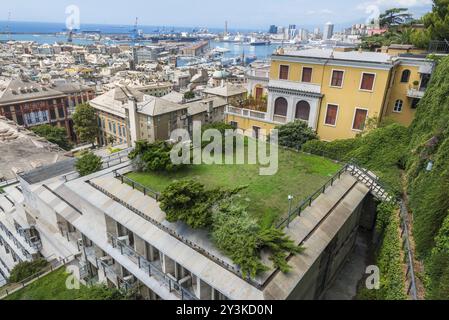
53, 134
190, 202
388, 258
232, 229
88, 163
382, 150
293, 135
152, 157
102, 292
241, 238
26, 269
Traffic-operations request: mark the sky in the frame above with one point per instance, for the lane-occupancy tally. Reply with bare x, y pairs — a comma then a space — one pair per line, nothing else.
252, 14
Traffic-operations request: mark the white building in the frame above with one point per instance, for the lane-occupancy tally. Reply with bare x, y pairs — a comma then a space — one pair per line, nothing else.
328, 31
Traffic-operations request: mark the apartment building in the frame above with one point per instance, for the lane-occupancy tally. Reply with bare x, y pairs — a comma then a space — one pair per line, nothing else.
128, 115
336, 91
31, 104
115, 234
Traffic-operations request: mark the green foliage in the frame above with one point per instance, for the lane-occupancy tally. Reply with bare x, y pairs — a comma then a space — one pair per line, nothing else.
85, 123
53, 287
233, 230
189, 95
429, 141
88, 163
437, 21
102, 292
147, 157
438, 265
26, 269
295, 134
221, 127
394, 17
53, 134
388, 258
429, 195
240, 237
382, 150
337, 150
190, 202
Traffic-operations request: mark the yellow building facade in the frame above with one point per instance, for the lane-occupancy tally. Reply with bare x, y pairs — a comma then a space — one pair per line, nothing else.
336, 92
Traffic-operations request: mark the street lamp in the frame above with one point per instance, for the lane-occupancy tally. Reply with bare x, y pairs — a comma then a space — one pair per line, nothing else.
290, 199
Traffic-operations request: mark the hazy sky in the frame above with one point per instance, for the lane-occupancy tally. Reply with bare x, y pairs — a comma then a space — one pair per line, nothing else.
210, 13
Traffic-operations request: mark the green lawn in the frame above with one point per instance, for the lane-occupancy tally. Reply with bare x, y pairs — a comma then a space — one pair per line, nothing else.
266, 196
53, 287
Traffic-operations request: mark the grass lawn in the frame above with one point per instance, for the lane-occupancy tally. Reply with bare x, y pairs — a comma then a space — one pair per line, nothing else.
266, 196
53, 287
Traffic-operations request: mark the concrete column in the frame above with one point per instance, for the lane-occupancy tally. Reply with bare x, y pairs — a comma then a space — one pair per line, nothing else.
168, 265
111, 226
151, 253
204, 291
270, 105
291, 109
139, 245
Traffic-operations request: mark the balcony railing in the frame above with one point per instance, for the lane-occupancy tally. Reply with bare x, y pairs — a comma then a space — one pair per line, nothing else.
256, 115
16, 242
416, 93
151, 268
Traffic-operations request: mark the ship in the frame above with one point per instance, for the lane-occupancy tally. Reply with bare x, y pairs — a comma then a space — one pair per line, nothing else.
259, 42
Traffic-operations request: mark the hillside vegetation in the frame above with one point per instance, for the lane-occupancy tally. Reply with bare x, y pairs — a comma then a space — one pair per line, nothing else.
422, 153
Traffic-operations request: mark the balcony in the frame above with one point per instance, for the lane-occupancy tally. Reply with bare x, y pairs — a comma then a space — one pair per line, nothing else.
416, 93
295, 86
152, 268
246, 113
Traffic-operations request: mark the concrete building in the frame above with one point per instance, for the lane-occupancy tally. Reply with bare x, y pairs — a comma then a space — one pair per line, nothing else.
119, 236
328, 31
31, 104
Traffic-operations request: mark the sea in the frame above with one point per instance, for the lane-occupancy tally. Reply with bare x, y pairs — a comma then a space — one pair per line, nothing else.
47, 33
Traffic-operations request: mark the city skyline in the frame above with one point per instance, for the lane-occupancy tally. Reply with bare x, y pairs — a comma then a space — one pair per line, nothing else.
181, 14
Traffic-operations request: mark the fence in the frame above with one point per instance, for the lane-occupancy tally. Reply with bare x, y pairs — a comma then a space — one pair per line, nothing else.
14, 287
152, 269
135, 185
410, 274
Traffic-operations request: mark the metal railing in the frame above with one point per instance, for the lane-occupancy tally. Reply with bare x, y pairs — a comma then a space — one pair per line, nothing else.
177, 236
135, 185
362, 175
151, 268
437, 46
410, 274
9, 289
16, 242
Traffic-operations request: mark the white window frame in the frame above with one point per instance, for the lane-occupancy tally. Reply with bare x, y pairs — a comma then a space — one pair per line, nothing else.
353, 119
288, 74
402, 106
302, 74
342, 80
374, 81
336, 117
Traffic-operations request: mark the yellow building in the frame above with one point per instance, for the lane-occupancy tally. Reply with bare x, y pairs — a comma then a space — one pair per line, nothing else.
336, 92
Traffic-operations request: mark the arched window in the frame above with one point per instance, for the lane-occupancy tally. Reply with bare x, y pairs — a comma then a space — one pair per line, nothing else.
280, 107
398, 106
302, 110
405, 76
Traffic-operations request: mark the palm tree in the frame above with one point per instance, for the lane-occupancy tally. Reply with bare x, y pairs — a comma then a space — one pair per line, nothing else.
394, 17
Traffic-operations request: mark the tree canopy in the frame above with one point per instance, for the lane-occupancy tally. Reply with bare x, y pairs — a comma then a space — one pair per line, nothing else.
88, 164
85, 123
56, 135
